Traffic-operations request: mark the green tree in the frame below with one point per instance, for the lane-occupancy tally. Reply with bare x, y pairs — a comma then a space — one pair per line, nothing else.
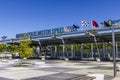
87, 46
68, 47
60, 48
3, 48
13, 48
87, 49
118, 44
98, 45
25, 51
108, 46
77, 47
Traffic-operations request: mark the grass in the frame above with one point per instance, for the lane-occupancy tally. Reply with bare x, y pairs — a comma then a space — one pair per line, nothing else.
22, 64
25, 63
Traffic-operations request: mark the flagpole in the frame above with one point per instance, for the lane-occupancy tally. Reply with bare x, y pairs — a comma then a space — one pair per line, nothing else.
91, 24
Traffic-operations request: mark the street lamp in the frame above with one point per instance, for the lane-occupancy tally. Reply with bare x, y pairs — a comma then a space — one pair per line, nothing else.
110, 24
39, 43
89, 33
114, 53
4, 37
54, 36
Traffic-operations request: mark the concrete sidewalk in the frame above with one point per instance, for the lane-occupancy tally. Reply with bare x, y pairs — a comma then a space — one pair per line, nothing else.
52, 68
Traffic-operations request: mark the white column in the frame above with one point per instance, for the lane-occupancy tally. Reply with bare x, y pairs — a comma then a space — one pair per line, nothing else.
81, 50
104, 48
116, 50
72, 50
63, 51
55, 51
92, 50
51, 51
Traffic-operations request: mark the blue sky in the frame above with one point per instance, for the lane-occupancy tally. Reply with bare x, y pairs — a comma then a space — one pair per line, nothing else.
20, 16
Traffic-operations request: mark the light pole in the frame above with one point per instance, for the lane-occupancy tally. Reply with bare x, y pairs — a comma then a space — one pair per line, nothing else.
39, 49
114, 53
95, 42
112, 24
54, 36
4, 37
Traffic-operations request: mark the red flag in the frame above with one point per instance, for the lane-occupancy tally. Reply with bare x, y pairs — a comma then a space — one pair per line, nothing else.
94, 23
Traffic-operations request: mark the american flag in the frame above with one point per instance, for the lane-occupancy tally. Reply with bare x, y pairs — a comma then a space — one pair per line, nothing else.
84, 23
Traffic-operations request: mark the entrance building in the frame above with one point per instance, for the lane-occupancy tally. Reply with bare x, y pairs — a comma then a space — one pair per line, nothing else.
74, 44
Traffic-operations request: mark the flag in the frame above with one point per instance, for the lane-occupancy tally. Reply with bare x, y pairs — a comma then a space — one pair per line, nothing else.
105, 24
116, 24
84, 23
110, 22
95, 24
66, 29
75, 26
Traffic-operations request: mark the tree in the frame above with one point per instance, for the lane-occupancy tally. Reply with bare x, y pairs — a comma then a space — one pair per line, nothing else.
108, 46
108, 49
13, 49
68, 47
77, 47
99, 46
60, 48
87, 50
3, 48
25, 51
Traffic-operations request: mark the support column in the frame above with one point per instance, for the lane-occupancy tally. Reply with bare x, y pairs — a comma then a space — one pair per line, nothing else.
72, 50
38, 51
63, 51
74, 55
104, 50
51, 51
81, 50
116, 50
55, 51
92, 50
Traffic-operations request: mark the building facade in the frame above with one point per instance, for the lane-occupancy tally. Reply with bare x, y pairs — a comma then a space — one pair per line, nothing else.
69, 42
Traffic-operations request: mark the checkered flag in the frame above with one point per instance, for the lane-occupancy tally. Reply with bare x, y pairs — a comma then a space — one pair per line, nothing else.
84, 23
